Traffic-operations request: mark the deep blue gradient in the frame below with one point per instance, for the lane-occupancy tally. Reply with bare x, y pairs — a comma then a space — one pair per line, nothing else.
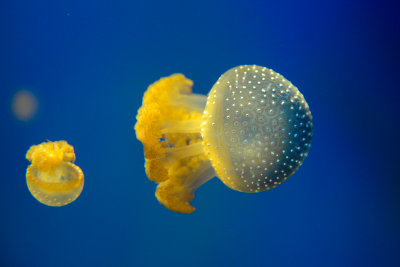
89, 63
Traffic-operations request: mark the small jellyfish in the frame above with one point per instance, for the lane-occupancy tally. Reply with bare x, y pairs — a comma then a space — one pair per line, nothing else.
24, 105
52, 178
253, 131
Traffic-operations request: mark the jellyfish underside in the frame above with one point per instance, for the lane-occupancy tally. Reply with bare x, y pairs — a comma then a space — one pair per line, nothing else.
52, 178
253, 131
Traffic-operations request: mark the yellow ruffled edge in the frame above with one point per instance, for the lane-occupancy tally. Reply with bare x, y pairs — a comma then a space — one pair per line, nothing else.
156, 109
47, 156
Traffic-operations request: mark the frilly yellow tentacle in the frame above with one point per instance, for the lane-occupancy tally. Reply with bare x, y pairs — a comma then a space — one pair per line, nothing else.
49, 155
165, 103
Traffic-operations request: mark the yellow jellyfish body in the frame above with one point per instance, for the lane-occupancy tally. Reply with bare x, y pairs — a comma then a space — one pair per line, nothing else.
52, 178
253, 131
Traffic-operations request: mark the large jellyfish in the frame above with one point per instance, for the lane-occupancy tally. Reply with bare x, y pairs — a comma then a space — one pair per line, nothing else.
253, 131
52, 178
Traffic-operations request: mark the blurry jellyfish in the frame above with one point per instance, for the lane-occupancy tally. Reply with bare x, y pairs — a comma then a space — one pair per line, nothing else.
52, 178
253, 131
24, 105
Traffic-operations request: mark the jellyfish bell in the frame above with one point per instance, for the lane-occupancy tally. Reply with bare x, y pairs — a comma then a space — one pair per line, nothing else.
257, 128
253, 131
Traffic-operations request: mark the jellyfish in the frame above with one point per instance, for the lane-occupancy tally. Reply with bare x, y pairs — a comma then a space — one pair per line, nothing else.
253, 131
52, 178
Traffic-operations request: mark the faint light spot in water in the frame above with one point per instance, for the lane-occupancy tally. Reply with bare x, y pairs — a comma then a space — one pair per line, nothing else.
24, 105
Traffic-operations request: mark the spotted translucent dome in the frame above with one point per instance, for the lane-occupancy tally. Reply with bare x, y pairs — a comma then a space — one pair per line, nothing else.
257, 128
252, 131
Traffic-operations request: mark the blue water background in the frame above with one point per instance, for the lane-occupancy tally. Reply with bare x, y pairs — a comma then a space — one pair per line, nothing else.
89, 62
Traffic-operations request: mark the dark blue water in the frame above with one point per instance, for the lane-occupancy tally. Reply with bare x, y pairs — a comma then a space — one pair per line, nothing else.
89, 62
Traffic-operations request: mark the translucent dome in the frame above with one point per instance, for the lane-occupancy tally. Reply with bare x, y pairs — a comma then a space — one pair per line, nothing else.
257, 128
